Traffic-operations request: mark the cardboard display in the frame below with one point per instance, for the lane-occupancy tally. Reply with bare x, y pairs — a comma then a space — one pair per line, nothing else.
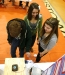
12, 61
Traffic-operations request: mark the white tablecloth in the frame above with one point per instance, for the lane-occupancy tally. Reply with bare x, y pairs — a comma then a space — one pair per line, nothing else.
30, 64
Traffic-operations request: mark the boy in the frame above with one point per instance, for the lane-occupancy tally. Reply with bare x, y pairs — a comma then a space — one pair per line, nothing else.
19, 35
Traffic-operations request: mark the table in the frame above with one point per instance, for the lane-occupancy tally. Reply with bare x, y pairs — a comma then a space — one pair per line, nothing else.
37, 67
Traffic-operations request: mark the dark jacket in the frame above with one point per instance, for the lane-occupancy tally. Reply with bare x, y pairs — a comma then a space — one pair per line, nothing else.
26, 37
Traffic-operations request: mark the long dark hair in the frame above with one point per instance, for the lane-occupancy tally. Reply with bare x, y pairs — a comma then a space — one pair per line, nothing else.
53, 23
33, 6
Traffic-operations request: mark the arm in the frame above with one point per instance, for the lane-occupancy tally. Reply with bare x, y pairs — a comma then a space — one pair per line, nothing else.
39, 25
39, 28
50, 45
44, 52
28, 42
28, 39
28, 36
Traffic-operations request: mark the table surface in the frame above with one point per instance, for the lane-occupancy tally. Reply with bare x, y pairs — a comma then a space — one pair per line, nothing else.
42, 66
30, 64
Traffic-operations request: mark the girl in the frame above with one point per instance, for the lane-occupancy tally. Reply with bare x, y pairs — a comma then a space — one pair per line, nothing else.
34, 21
48, 37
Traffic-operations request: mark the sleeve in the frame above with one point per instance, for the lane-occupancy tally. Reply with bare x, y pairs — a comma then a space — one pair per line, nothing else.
39, 25
28, 39
25, 19
52, 43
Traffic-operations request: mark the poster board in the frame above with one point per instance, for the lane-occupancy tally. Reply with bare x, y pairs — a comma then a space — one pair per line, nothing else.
12, 61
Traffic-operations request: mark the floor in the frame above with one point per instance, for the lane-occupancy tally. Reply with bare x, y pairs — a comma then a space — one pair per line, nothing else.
59, 5
56, 12
9, 12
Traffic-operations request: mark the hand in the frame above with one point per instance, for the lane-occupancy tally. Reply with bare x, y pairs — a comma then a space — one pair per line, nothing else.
37, 42
28, 54
41, 54
9, 43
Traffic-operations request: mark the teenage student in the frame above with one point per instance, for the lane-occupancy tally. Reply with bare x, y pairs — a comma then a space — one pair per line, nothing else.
34, 20
48, 37
19, 35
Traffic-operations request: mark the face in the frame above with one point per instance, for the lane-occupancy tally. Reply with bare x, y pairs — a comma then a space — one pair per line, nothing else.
34, 13
47, 28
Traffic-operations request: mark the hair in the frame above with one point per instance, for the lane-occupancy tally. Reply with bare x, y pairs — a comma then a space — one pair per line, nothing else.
31, 7
53, 23
16, 24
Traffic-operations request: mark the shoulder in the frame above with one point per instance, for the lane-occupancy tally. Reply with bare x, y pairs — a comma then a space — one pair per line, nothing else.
40, 16
25, 17
54, 37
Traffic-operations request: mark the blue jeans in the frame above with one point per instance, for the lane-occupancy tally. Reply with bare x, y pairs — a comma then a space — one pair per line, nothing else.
16, 43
